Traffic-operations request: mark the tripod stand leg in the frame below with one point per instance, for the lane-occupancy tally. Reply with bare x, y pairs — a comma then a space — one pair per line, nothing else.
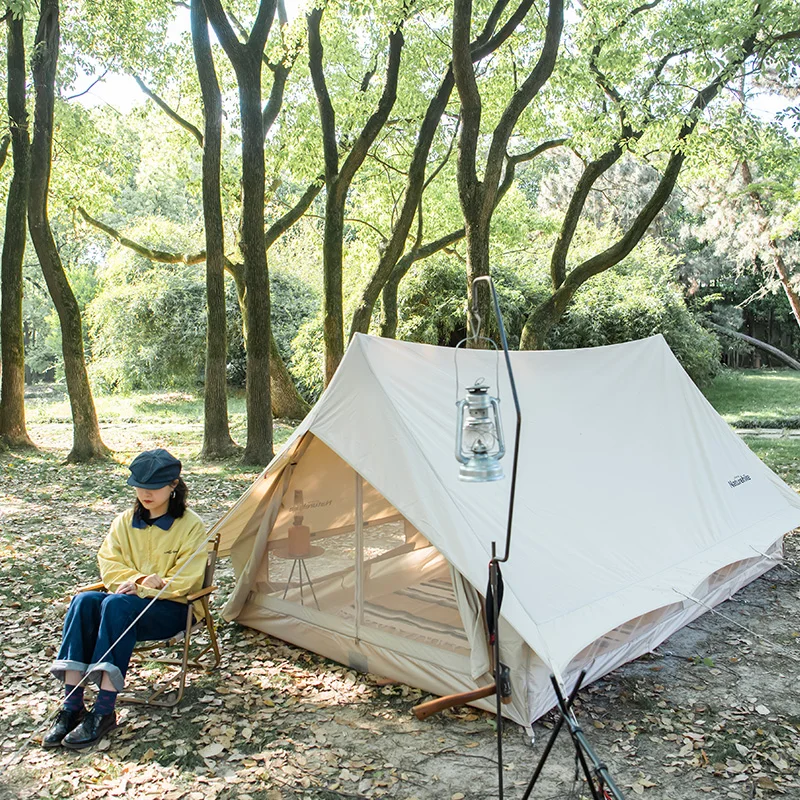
583, 748
289, 579
552, 740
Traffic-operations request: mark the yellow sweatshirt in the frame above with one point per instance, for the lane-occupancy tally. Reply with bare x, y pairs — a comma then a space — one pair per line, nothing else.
130, 553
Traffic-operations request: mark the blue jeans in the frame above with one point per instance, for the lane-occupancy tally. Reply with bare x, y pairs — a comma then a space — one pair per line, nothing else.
95, 621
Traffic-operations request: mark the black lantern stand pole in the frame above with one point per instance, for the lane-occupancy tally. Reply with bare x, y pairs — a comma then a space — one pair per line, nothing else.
598, 776
495, 577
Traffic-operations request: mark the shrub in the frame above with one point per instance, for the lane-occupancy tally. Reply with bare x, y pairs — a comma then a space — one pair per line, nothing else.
637, 299
619, 306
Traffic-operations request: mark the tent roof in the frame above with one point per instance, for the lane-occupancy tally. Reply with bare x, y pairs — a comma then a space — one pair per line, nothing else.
631, 489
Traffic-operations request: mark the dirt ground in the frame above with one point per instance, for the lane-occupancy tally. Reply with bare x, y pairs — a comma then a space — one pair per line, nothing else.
713, 712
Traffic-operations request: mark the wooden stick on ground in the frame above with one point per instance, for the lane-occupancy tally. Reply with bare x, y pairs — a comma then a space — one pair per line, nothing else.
425, 710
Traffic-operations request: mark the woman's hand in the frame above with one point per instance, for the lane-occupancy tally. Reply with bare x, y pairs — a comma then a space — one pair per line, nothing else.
153, 581
129, 587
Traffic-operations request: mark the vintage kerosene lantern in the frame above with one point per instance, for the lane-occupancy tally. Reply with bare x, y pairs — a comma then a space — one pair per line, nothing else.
479, 437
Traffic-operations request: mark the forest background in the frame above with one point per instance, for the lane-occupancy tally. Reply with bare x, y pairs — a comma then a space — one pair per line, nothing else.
295, 175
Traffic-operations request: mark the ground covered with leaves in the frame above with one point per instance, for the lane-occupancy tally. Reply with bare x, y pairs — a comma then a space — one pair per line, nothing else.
713, 712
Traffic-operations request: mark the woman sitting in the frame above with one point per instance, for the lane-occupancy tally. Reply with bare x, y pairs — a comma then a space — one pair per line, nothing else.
145, 547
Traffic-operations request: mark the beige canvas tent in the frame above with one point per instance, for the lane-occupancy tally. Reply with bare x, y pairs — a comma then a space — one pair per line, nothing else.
637, 506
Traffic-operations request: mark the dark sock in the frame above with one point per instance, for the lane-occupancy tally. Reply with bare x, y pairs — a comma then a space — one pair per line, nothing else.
73, 697
105, 702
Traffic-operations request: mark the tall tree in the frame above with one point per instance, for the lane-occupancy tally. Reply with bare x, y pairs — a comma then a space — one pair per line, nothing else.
339, 178
246, 59
86, 443
388, 272
690, 47
773, 250
12, 355
217, 440
478, 195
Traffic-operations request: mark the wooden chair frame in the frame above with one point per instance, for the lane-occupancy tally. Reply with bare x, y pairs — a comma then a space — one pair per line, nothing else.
185, 660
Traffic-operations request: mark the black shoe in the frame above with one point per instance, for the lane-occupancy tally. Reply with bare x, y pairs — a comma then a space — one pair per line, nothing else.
65, 722
93, 728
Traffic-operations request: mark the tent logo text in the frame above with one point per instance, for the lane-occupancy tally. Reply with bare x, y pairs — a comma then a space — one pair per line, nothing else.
739, 480
317, 504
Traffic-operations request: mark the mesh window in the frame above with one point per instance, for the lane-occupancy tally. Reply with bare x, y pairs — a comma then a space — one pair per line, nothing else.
407, 590
374, 573
311, 554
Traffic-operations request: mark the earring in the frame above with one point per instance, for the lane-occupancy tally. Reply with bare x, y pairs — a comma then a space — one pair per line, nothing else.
173, 494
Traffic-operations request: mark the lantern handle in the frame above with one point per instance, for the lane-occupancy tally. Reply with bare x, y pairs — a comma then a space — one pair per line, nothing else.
478, 338
504, 342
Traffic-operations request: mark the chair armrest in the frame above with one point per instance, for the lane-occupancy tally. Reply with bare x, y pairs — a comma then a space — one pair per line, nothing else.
92, 587
202, 593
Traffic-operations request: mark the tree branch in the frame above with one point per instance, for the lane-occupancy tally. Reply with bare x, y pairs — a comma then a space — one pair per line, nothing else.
225, 33
546, 315
358, 152
471, 109
282, 224
520, 158
520, 100
280, 73
162, 256
327, 114
87, 90
171, 113
6, 141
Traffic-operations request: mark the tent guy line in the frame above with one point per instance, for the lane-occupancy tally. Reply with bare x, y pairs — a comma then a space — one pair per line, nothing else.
774, 644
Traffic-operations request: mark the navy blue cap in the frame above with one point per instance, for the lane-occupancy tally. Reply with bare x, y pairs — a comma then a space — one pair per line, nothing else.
154, 469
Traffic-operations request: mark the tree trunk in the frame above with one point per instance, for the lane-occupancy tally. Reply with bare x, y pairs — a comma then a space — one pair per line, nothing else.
12, 352
479, 196
783, 274
217, 441
338, 180
774, 251
259, 329
86, 441
383, 278
389, 308
333, 301
765, 346
287, 403
246, 60
415, 185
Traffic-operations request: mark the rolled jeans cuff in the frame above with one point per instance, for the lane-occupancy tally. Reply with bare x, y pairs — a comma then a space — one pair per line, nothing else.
94, 674
61, 666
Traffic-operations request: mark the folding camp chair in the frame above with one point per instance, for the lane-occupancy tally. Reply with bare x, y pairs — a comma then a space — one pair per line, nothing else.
183, 639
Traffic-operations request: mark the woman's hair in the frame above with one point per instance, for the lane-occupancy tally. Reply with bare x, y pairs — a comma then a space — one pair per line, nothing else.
177, 503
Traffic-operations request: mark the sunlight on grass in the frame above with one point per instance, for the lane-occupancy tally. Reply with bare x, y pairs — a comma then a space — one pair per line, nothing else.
757, 398
782, 456
51, 405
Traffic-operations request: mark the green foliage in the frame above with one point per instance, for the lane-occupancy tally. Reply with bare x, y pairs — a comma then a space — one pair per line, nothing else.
306, 365
633, 302
637, 299
293, 305
147, 321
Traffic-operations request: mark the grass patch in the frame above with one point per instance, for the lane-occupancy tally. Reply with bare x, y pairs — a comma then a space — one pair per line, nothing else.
761, 398
782, 456
49, 403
